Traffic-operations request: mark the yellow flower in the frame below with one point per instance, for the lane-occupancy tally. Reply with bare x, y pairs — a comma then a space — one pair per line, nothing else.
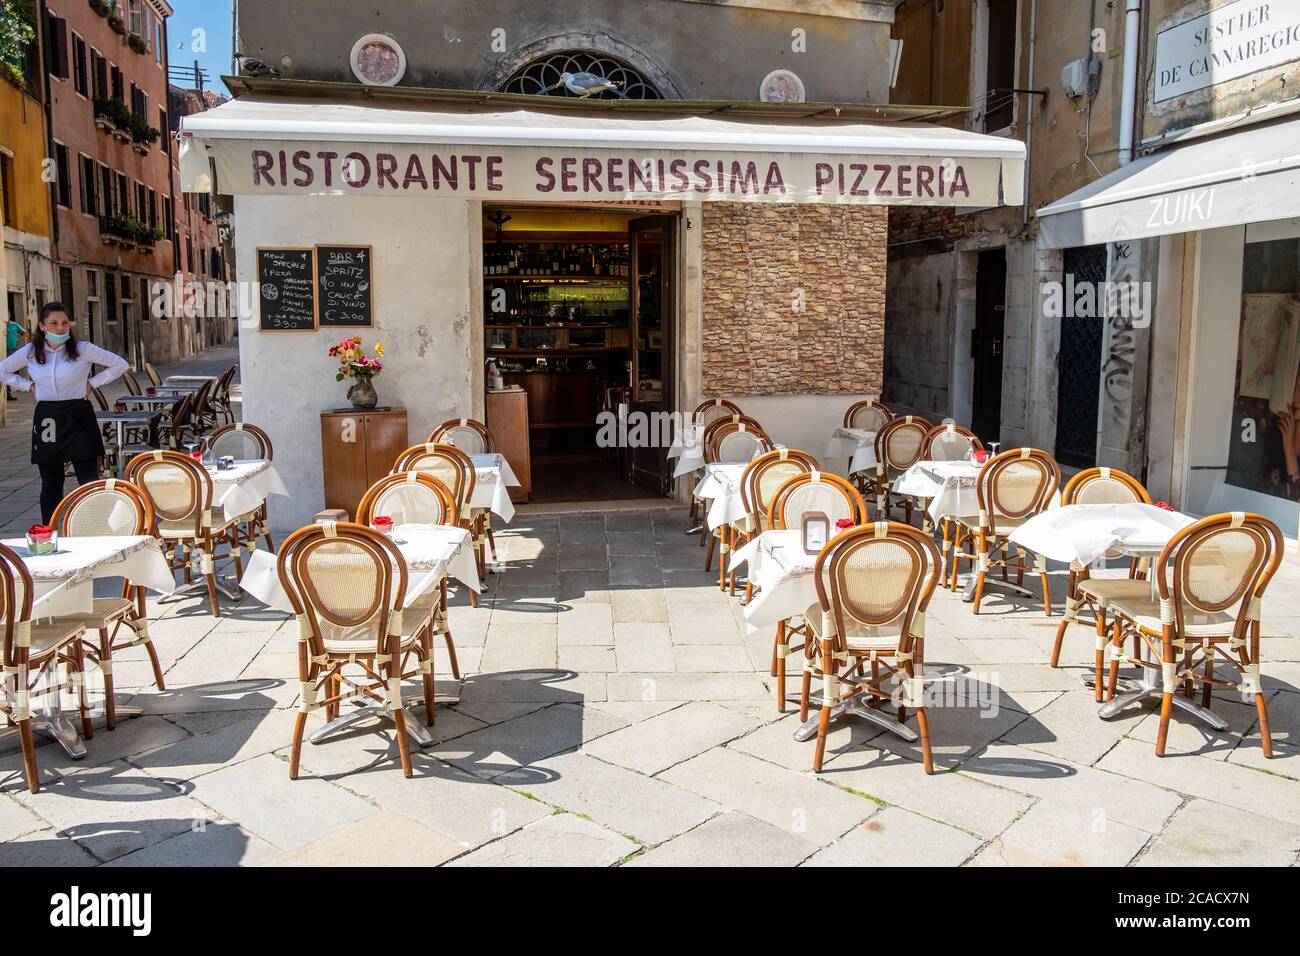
379, 349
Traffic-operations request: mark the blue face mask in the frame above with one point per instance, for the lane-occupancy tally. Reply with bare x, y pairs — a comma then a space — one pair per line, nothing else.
57, 339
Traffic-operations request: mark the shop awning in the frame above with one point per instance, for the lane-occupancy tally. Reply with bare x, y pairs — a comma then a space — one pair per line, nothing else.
277, 146
1248, 176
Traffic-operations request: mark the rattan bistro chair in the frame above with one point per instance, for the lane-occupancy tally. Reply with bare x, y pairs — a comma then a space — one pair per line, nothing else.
1211, 578
108, 509
869, 415
949, 442
190, 527
347, 585
1099, 486
898, 448
473, 438
414, 497
32, 655
706, 413
1011, 488
728, 440
132, 383
874, 584
758, 486
454, 469
154, 378
808, 492
245, 442
470, 436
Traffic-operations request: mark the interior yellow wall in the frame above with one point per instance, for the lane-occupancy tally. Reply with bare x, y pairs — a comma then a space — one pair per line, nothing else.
540, 219
22, 133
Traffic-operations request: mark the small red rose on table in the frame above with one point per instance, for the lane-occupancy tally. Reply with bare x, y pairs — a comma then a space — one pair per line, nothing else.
382, 523
981, 456
1164, 506
40, 539
843, 524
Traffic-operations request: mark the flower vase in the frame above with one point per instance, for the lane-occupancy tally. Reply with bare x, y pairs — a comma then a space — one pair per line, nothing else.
362, 395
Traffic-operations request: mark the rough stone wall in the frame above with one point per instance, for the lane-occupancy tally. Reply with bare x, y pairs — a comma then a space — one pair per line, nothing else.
794, 299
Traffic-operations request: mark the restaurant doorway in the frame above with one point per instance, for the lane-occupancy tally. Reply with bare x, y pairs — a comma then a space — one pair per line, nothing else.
986, 344
579, 313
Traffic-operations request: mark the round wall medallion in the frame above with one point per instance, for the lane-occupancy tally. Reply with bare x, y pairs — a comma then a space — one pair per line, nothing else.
781, 86
378, 60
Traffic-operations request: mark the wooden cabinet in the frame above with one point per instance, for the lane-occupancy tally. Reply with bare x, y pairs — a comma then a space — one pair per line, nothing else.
357, 449
507, 420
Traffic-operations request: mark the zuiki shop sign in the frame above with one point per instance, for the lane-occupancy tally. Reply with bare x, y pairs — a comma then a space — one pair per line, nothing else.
1224, 44
561, 174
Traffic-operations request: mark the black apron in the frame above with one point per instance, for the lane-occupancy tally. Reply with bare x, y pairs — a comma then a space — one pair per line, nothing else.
64, 432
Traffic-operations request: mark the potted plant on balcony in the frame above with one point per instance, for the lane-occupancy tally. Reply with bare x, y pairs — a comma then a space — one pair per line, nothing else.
16, 33
101, 7
136, 42
116, 22
142, 134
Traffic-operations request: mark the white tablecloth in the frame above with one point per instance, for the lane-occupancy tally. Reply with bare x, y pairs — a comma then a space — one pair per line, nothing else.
492, 476
720, 487
949, 484
1084, 533
782, 573
245, 487
688, 449
431, 553
64, 581
188, 379
855, 443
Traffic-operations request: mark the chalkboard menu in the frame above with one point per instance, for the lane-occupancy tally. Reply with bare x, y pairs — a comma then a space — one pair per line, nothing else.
287, 280
343, 285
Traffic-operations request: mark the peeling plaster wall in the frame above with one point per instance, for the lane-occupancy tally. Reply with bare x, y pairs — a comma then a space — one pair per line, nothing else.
427, 307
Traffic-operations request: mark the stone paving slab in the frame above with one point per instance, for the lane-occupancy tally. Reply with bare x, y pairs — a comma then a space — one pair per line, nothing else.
615, 712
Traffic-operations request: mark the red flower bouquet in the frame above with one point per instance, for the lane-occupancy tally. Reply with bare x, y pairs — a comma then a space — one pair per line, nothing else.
382, 523
843, 524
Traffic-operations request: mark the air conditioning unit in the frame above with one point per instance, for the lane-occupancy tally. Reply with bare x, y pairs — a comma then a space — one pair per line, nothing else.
1080, 77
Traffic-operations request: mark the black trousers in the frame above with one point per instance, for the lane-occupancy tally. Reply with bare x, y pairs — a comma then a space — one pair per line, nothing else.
87, 470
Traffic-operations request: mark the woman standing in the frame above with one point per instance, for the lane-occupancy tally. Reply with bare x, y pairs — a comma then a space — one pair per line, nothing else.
64, 428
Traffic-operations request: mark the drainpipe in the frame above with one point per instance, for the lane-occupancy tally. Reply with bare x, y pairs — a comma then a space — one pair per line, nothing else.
1030, 105
1128, 97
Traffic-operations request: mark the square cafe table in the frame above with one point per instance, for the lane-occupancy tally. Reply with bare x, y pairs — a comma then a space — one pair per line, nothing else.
856, 444
63, 584
138, 416
492, 476
431, 553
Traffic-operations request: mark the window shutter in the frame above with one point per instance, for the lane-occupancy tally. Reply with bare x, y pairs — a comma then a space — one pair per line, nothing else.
56, 46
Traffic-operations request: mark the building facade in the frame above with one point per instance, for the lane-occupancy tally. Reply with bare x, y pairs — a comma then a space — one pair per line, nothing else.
735, 283
200, 246
1028, 331
106, 68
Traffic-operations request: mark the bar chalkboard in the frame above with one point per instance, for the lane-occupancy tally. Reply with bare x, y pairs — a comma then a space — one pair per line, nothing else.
343, 286
287, 280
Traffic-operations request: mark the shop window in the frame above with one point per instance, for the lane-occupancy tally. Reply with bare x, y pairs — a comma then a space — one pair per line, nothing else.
63, 188
542, 76
1264, 450
80, 75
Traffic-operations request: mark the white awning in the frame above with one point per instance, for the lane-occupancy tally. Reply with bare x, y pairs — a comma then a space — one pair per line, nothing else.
279, 146
1248, 176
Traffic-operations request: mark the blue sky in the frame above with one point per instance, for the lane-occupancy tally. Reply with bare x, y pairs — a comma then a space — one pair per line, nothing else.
213, 18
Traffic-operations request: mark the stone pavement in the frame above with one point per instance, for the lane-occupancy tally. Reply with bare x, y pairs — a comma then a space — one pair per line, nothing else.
614, 713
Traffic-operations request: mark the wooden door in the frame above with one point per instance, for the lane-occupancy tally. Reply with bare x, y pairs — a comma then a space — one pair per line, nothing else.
653, 299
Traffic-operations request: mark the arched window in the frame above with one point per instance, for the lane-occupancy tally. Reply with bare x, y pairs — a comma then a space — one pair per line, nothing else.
542, 76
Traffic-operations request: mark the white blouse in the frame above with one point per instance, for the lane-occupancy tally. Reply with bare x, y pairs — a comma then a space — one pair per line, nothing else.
61, 379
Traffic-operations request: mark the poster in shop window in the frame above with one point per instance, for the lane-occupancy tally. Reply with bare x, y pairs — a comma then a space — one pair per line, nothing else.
1264, 454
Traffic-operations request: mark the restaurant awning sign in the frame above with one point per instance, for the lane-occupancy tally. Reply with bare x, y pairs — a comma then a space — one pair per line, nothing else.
1226, 43
278, 148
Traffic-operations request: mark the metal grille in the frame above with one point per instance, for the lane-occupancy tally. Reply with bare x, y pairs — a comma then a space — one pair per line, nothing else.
1079, 366
542, 77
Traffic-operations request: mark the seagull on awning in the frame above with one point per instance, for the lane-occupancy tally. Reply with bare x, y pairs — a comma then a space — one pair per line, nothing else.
584, 85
